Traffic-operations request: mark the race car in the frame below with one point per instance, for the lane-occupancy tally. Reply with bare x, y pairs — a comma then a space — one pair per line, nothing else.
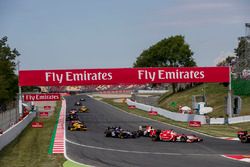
72, 117
171, 135
78, 103
146, 131
118, 132
82, 99
72, 111
244, 136
83, 109
77, 126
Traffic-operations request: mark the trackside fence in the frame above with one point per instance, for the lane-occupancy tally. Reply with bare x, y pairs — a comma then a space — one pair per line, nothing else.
15, 130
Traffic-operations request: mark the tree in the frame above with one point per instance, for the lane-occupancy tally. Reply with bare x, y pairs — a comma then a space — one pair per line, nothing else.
227, 61
8, 78
169, 52
242, 56
241, 49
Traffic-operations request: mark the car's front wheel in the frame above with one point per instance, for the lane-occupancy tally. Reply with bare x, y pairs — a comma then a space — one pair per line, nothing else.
244, 139
183, 139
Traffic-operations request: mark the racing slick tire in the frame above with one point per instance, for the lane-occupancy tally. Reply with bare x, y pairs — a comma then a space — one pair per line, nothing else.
244, 139
121, 136
108, 134
183, 139
155, 138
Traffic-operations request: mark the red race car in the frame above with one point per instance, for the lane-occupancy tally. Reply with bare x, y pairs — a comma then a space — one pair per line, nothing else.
244, 136
171, 135
146, 130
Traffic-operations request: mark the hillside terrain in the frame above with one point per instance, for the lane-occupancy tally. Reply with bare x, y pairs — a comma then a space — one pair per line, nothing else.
215, 95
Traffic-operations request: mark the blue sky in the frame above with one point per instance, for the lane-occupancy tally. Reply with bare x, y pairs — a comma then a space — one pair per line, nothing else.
64, 34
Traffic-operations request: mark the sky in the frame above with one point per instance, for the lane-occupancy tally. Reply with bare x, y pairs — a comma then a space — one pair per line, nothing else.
80, 34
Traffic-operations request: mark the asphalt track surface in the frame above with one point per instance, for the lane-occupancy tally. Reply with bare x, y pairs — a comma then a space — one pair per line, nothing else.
93, 148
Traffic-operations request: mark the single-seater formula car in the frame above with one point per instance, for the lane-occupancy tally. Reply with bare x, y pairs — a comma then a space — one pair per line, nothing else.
83, 109
78, 103
171, 135
146, 131
72, 117
77, 126
244, 136
118, 132
82, 99
73, 111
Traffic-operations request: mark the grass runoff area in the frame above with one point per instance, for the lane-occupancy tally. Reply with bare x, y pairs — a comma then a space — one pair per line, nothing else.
215, 95
214, 130
30, 148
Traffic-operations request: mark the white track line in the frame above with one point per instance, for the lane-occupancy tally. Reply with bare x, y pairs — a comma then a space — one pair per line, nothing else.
135, 152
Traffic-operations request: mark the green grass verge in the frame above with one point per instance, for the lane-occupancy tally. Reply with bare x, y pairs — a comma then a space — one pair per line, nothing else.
30, 148
50, 150
214, 130
215, 94
72, 164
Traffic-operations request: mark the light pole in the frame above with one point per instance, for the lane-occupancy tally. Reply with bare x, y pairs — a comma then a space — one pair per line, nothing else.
20, 110
229, 96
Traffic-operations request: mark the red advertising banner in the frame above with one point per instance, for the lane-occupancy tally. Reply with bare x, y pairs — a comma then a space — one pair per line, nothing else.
194, 123
131, 107
47, 107
37, 125
152, 113
122, 76
44, 114
42, 97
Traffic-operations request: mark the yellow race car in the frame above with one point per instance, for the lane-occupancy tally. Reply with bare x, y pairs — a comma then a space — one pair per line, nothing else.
83, 109
77, 126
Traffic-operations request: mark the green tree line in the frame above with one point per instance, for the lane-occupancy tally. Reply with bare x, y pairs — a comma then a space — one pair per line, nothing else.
8, 78
169, 52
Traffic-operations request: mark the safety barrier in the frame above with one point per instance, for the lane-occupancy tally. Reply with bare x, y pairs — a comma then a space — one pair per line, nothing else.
15, 130
241, 119
168, 114
188, 117
115, 92
152, 91
217, 121
232, 120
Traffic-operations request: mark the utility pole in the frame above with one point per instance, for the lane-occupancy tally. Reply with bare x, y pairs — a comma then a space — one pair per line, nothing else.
229, 96
20, 109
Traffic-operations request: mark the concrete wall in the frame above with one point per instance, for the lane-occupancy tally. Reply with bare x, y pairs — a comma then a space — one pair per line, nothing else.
146, 99
217, 121
232, 120
152, 91
15, 130
239, 119
168, 114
